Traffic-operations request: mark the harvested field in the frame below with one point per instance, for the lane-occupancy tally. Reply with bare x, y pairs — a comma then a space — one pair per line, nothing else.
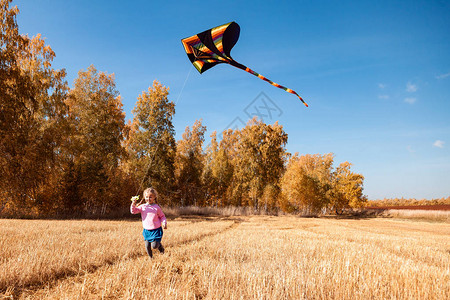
250, 257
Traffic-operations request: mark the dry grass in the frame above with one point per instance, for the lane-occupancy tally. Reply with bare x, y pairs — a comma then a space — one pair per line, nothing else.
432, 215
254, 257
217, 211
34, 252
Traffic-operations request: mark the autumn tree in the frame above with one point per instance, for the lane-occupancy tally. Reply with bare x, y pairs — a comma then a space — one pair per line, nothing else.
32, 114
310, 184
228, 155
346, 189
95, 146
260, 162
189, 164
306, 183
208, 181
151, 141
217, 173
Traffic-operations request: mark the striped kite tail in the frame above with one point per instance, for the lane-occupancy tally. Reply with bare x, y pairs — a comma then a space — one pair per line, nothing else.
273, 83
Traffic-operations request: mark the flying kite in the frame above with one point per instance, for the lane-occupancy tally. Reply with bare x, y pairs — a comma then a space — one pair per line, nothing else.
213, 46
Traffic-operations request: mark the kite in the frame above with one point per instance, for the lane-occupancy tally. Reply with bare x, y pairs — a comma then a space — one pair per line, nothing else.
213, 46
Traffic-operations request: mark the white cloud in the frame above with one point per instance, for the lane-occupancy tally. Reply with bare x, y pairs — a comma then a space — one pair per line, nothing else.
411, 88
384, 97
439, 144
410, 100
381, 85
442, 76
410, 149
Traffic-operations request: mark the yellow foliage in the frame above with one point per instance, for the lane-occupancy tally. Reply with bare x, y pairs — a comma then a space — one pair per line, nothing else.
189, 164
310, 184
33, 124
306, 181
150, 141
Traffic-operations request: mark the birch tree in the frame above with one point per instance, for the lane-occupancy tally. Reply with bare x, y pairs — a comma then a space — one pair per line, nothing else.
151, 142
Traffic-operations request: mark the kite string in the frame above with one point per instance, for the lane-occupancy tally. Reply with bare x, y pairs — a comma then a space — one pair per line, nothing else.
147, 168
184, 84
157, 146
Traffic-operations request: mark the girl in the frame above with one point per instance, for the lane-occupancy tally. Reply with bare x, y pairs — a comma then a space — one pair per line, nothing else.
152, 219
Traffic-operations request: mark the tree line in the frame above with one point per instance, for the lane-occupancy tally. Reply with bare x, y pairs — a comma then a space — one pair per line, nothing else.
69, 150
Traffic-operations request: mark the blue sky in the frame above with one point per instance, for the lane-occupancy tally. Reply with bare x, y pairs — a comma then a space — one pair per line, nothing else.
376, 74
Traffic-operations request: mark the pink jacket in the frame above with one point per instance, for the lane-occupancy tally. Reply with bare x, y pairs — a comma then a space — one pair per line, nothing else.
151, 214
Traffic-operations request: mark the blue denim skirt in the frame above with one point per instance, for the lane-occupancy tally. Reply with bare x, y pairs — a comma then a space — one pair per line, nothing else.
154, 235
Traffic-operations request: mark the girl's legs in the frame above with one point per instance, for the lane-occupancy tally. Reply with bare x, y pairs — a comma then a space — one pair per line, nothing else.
153, 245
148, 247
158, 245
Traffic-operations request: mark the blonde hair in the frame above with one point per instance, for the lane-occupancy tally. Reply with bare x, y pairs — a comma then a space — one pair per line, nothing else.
151, 190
